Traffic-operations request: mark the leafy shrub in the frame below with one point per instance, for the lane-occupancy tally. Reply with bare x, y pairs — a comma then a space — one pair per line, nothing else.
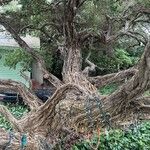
135, 138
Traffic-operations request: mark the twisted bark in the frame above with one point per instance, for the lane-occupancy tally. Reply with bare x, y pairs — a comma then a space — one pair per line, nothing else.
100, 81
119, 104
28, 97
90, 68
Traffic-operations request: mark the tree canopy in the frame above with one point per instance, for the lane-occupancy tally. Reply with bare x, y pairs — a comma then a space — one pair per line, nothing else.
103, 26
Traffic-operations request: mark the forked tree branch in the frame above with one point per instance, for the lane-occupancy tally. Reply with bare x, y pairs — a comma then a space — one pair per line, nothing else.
60, 94
90, 68
45, 114
136, 86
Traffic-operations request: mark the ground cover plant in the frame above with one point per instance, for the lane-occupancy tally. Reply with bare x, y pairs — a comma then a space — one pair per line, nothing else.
135, 137
17, 110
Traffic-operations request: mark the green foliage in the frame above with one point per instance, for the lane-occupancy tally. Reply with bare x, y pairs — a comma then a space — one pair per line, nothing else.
147, 93
17, 110
134, 138
108, 89
18, 56
47, 55
145, 3
4, 123
91, 17
12, 6
53, 60
120, 60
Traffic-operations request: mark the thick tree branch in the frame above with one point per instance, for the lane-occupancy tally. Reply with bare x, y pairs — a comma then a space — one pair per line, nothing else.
60, 94
17, 38
29, 98
100, 81
134, 87
118, 104
42, 28
129, 34
45, 114
127, 21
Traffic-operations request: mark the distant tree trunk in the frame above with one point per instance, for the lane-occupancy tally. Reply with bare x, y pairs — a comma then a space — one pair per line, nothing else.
37, 73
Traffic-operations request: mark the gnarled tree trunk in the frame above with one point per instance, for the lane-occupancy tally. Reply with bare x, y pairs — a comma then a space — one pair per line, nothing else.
71, 112
44, 119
